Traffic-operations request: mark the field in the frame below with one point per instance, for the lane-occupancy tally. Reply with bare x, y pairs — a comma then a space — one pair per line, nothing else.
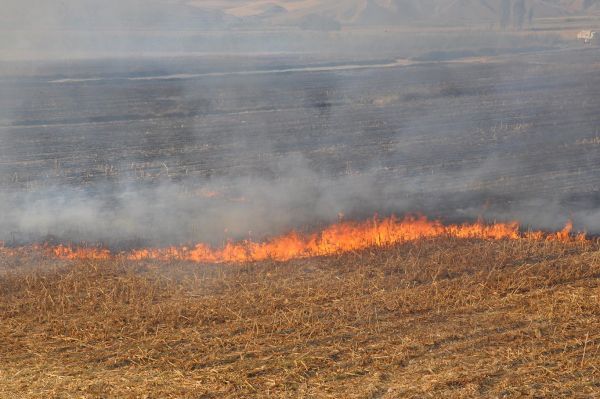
435, 318
141, 161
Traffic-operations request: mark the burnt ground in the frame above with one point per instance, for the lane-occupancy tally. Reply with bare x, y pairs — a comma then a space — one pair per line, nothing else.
482, 133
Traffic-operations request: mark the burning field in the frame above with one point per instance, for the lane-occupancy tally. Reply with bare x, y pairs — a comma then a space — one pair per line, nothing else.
178, 237
479, 312
383, 308
187, 191
333, 240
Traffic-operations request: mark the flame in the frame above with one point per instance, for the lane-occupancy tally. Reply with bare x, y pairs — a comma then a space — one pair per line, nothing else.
74, 253
204, 193
344, 236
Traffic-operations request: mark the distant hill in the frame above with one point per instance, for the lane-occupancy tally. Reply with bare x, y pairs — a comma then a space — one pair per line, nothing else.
393, 12
92, 15
309, 14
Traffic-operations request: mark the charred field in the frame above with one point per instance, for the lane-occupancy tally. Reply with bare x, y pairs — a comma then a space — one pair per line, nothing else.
500, 137
434, 318
141, 123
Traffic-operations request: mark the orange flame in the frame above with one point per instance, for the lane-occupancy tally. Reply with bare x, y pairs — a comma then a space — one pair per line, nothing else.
337, 238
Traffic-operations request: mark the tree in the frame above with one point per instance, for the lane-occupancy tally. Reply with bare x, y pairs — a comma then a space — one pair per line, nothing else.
530, 16
504, 13
519, 12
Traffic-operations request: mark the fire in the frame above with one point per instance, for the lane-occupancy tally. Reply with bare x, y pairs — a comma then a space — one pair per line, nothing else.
343, 236
73, 253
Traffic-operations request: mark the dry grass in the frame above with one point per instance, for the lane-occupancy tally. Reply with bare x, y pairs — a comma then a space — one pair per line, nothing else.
442, 318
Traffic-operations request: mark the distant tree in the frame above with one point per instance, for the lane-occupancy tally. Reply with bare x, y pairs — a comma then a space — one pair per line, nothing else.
530, 16
505, 13
519, 12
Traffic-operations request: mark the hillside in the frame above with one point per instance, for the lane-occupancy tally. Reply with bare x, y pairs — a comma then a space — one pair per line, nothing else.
435, 318
195, 14
391, 12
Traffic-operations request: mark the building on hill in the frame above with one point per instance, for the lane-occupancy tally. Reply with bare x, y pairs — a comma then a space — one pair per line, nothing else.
588, 36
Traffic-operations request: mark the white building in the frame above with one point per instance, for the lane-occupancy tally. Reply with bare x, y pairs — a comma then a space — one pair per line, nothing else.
587, 36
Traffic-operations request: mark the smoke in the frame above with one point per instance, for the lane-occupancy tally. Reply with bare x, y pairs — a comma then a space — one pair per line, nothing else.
170, 213
297, 197
165, 122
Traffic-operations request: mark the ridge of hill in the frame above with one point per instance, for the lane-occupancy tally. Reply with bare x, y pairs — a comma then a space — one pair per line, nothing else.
392, 12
